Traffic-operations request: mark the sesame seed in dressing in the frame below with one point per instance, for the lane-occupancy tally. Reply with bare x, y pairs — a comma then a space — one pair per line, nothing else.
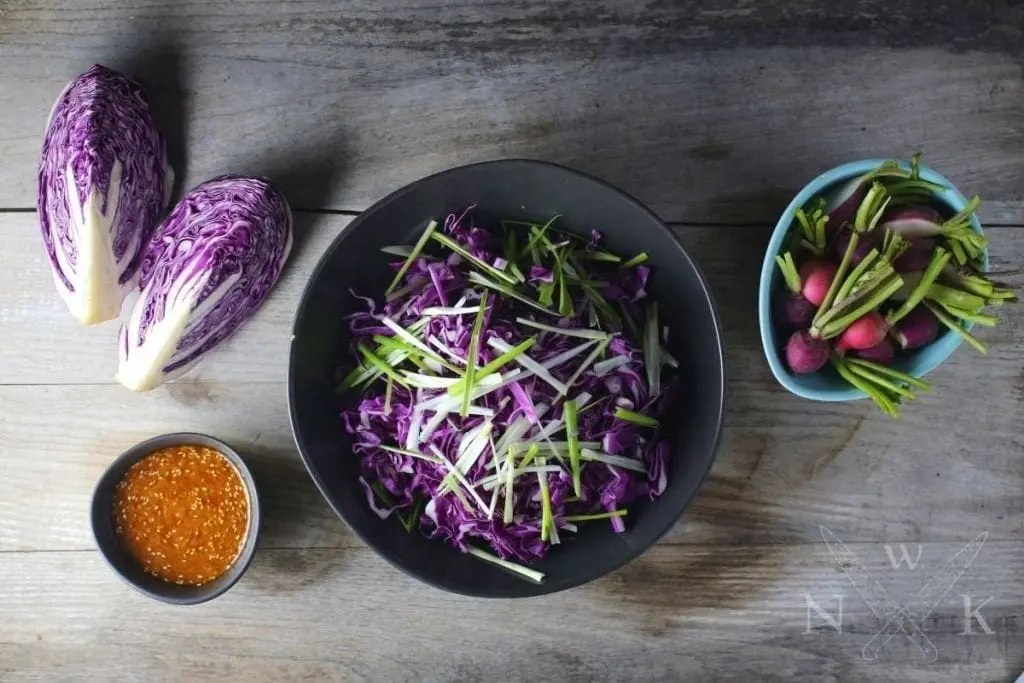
182, 513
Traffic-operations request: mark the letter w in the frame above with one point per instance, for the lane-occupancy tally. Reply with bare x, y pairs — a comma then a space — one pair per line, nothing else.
904, 556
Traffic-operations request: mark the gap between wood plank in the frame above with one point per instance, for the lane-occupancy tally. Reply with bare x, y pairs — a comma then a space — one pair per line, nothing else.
671, 224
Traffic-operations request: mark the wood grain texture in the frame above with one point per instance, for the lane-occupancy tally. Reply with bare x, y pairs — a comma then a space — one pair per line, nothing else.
44, 345
708, 111
701, 613
786, 465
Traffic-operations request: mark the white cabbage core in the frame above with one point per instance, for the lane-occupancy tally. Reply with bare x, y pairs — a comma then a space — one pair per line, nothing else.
97, 294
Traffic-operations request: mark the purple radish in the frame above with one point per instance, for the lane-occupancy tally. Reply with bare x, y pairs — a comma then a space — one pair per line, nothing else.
794, 310
842, 206
882, 353
791, 306
863, 333
865, 244
912, 221
918, 328
917, 256
806, 354
817, 275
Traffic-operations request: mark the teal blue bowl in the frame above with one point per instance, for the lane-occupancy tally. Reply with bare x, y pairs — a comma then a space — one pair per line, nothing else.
827, 385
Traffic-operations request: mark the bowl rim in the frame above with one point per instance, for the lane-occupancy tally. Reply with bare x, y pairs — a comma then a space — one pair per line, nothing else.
837, 174
545, 589
117, 468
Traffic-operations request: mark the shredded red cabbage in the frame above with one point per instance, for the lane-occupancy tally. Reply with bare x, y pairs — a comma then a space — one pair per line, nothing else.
408, 424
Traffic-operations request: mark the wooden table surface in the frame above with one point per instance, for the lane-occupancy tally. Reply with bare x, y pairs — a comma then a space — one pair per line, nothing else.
714, 113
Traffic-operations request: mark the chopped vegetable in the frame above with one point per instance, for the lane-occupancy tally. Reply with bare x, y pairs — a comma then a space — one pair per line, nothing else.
103, 183
208, 268
507, 426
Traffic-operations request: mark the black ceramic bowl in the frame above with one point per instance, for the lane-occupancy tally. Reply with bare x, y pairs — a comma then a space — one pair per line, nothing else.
512, 189
122, 562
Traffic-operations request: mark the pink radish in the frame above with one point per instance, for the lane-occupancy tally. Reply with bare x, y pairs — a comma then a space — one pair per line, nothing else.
882, 353
806, 354
918, 328
863, 333
816, 276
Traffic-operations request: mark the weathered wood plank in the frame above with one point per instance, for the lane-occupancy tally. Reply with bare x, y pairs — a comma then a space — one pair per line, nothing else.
708, 111
679, 613
785, 466
44, 345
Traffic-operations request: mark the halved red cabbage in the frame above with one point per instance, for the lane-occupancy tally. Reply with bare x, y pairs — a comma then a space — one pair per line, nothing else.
209, 266
103, 182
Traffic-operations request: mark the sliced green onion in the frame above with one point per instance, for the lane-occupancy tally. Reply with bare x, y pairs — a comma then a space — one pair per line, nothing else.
492, 367
598, 350
636, 418
545, 503
530, 364
600, 255
387, 397
478, 279
450, 310
567, 332
482, 265
510, 478
379, 363
474, 347
420, 243
408, 338
614, 460
652, 347
531, 574
590, 518
573, 437
636, 260
414, 516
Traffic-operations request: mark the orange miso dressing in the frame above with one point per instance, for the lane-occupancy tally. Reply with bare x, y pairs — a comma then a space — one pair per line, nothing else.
182, 512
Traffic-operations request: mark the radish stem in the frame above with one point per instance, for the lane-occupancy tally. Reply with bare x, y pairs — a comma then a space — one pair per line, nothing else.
836, 327
890, 372
855, 274
875, 394
982, 319
882, 382
789, 272
939, 260
844, 265
952, 324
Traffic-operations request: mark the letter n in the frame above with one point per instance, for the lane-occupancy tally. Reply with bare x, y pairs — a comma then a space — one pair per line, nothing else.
835, 622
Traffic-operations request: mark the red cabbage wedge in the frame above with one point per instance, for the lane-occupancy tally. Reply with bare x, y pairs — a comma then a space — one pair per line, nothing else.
209, 266
103, 182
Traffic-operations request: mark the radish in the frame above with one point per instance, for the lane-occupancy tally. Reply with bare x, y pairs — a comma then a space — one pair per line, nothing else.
916, 257
918, 328
842, 206
806, 354
791, 306
817, 276
865, 244
882, 352
913, 221
863, 333
794, 310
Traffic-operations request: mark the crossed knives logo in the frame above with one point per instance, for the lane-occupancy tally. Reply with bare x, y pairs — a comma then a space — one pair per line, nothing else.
893, 617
